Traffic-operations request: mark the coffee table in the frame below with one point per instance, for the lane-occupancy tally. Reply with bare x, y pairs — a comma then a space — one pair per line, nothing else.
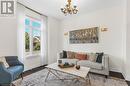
82, 73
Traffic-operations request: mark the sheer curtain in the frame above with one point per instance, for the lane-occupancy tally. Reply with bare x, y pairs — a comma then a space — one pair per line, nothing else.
44, 43
33, 61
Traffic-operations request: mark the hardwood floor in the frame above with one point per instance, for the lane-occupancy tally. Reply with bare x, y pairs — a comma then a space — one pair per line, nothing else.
116, 74
128, 82
33, 70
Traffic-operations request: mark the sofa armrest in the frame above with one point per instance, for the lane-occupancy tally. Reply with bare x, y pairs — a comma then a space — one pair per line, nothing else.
105, 62
5, 75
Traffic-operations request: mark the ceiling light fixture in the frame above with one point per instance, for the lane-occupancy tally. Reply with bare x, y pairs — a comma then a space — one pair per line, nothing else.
69, 9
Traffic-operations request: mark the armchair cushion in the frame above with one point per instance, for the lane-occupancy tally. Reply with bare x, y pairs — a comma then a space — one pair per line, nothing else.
7, 75
15, 71
3, 60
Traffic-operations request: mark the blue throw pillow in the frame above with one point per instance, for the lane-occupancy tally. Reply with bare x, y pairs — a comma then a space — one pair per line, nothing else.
99, 57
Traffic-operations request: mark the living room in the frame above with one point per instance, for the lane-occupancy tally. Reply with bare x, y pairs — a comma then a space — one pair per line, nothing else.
38, 31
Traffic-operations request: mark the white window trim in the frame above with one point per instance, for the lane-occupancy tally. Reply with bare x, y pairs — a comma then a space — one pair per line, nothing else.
31, 52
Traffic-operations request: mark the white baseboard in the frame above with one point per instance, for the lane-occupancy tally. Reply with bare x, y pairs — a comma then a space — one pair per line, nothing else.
127, 78
124, 75
115, 70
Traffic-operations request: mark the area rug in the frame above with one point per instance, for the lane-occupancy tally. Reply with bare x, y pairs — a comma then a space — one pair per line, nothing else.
38, 79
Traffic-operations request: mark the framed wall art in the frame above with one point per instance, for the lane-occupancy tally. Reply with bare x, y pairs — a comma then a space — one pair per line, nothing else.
88, 35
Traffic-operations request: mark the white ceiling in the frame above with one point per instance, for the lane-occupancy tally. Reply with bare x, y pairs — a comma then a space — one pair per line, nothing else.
52, 7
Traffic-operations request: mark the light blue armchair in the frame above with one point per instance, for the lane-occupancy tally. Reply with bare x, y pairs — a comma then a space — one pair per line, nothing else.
7, 75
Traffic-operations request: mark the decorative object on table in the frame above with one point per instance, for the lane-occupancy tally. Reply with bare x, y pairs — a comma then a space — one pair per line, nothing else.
69, 9
66, 65
88, 35
59, 61
77, 67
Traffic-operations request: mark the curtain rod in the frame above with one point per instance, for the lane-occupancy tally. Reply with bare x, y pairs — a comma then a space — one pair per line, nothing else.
31, 9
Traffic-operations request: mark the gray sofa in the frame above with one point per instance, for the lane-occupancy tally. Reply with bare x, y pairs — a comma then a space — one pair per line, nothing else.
99, 68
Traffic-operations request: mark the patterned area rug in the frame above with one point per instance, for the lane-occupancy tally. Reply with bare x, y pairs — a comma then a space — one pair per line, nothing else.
38, 79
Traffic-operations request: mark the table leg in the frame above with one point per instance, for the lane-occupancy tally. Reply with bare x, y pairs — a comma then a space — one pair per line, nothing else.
49, 71
47, 75
57, 73
89, 79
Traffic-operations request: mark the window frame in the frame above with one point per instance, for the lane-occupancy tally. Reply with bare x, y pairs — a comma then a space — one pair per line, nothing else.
31, 28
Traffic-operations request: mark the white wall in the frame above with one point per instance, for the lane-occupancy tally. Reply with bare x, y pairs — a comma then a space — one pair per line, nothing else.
124, 40
110, 42
8, 36
53, 41
127, 60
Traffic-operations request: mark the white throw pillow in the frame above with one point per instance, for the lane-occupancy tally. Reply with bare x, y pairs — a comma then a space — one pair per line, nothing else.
2, 59
92, 57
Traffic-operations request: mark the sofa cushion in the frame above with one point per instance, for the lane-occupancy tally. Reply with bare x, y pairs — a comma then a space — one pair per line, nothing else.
70, 55
90, 64
3, 60
15, 71
80, 56
92, 57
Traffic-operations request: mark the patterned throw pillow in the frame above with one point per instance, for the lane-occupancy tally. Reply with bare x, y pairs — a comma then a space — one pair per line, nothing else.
3, 60
81, 56
99, 57
70, 55
92, 57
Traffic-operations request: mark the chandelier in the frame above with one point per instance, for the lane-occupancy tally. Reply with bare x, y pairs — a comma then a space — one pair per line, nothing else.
69, 9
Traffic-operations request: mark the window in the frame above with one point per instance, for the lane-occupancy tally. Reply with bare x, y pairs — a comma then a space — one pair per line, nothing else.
32, 36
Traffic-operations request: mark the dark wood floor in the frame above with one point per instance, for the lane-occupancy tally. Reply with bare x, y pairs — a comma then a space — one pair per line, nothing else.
116, 74
113, 74
33, 70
